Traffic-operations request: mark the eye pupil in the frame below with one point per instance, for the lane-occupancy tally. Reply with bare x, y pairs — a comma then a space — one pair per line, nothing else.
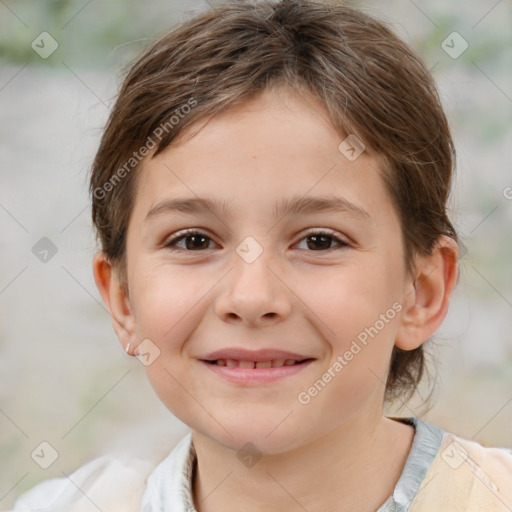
195, 238
323, 238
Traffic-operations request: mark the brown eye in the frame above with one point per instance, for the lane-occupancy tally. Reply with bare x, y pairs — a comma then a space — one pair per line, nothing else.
320, 241
194, 240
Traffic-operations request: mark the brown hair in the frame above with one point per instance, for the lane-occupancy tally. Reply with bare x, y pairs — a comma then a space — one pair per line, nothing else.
369, 81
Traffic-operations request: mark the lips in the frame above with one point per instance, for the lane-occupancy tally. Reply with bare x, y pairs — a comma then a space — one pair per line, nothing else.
264, 358
243, 367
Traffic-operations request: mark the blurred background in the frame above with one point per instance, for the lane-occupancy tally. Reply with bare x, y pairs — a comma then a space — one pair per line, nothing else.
64, 378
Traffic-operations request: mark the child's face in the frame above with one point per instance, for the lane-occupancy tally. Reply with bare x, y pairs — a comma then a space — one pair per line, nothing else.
311, 297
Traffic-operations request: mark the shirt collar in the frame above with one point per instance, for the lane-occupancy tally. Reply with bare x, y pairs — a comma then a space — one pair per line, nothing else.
169, 486
425, 446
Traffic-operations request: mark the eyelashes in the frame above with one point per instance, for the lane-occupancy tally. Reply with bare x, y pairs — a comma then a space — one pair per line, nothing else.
321, 236
173, 241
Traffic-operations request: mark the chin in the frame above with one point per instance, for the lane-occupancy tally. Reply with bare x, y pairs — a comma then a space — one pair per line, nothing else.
260, 437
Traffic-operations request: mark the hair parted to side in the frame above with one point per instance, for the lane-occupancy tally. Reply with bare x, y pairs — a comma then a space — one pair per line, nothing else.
369, 81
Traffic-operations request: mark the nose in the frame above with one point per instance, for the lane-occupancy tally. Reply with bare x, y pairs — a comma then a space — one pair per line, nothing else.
255, 292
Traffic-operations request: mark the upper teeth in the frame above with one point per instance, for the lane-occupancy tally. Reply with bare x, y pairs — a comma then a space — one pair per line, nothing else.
233, 363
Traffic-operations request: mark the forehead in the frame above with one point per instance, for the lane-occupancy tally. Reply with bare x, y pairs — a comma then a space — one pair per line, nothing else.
276, 145
291, 122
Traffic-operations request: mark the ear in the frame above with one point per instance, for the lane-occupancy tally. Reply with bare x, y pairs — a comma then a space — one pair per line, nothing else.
116, 301
427, 294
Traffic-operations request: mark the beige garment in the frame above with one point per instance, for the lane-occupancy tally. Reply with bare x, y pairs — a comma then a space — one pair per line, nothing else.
466, 477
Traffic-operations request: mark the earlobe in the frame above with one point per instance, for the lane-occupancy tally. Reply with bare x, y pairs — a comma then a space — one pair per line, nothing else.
428, 295
116, 301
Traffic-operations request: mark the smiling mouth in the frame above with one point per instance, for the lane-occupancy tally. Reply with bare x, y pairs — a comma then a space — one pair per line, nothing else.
275, 363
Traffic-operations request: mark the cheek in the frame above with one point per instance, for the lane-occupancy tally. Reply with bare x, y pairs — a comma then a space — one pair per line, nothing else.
166, 300
169, 304
167, 307
346, 300
357, 313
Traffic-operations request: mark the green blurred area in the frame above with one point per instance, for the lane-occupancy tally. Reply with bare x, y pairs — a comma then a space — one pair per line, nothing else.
89, 32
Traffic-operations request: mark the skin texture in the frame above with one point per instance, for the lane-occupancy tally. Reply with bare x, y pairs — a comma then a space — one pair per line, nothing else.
306, 297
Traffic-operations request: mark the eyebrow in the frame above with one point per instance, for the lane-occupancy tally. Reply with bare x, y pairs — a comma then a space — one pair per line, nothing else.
294, 205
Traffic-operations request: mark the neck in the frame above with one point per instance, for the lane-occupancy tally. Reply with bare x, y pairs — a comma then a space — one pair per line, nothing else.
341, 470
